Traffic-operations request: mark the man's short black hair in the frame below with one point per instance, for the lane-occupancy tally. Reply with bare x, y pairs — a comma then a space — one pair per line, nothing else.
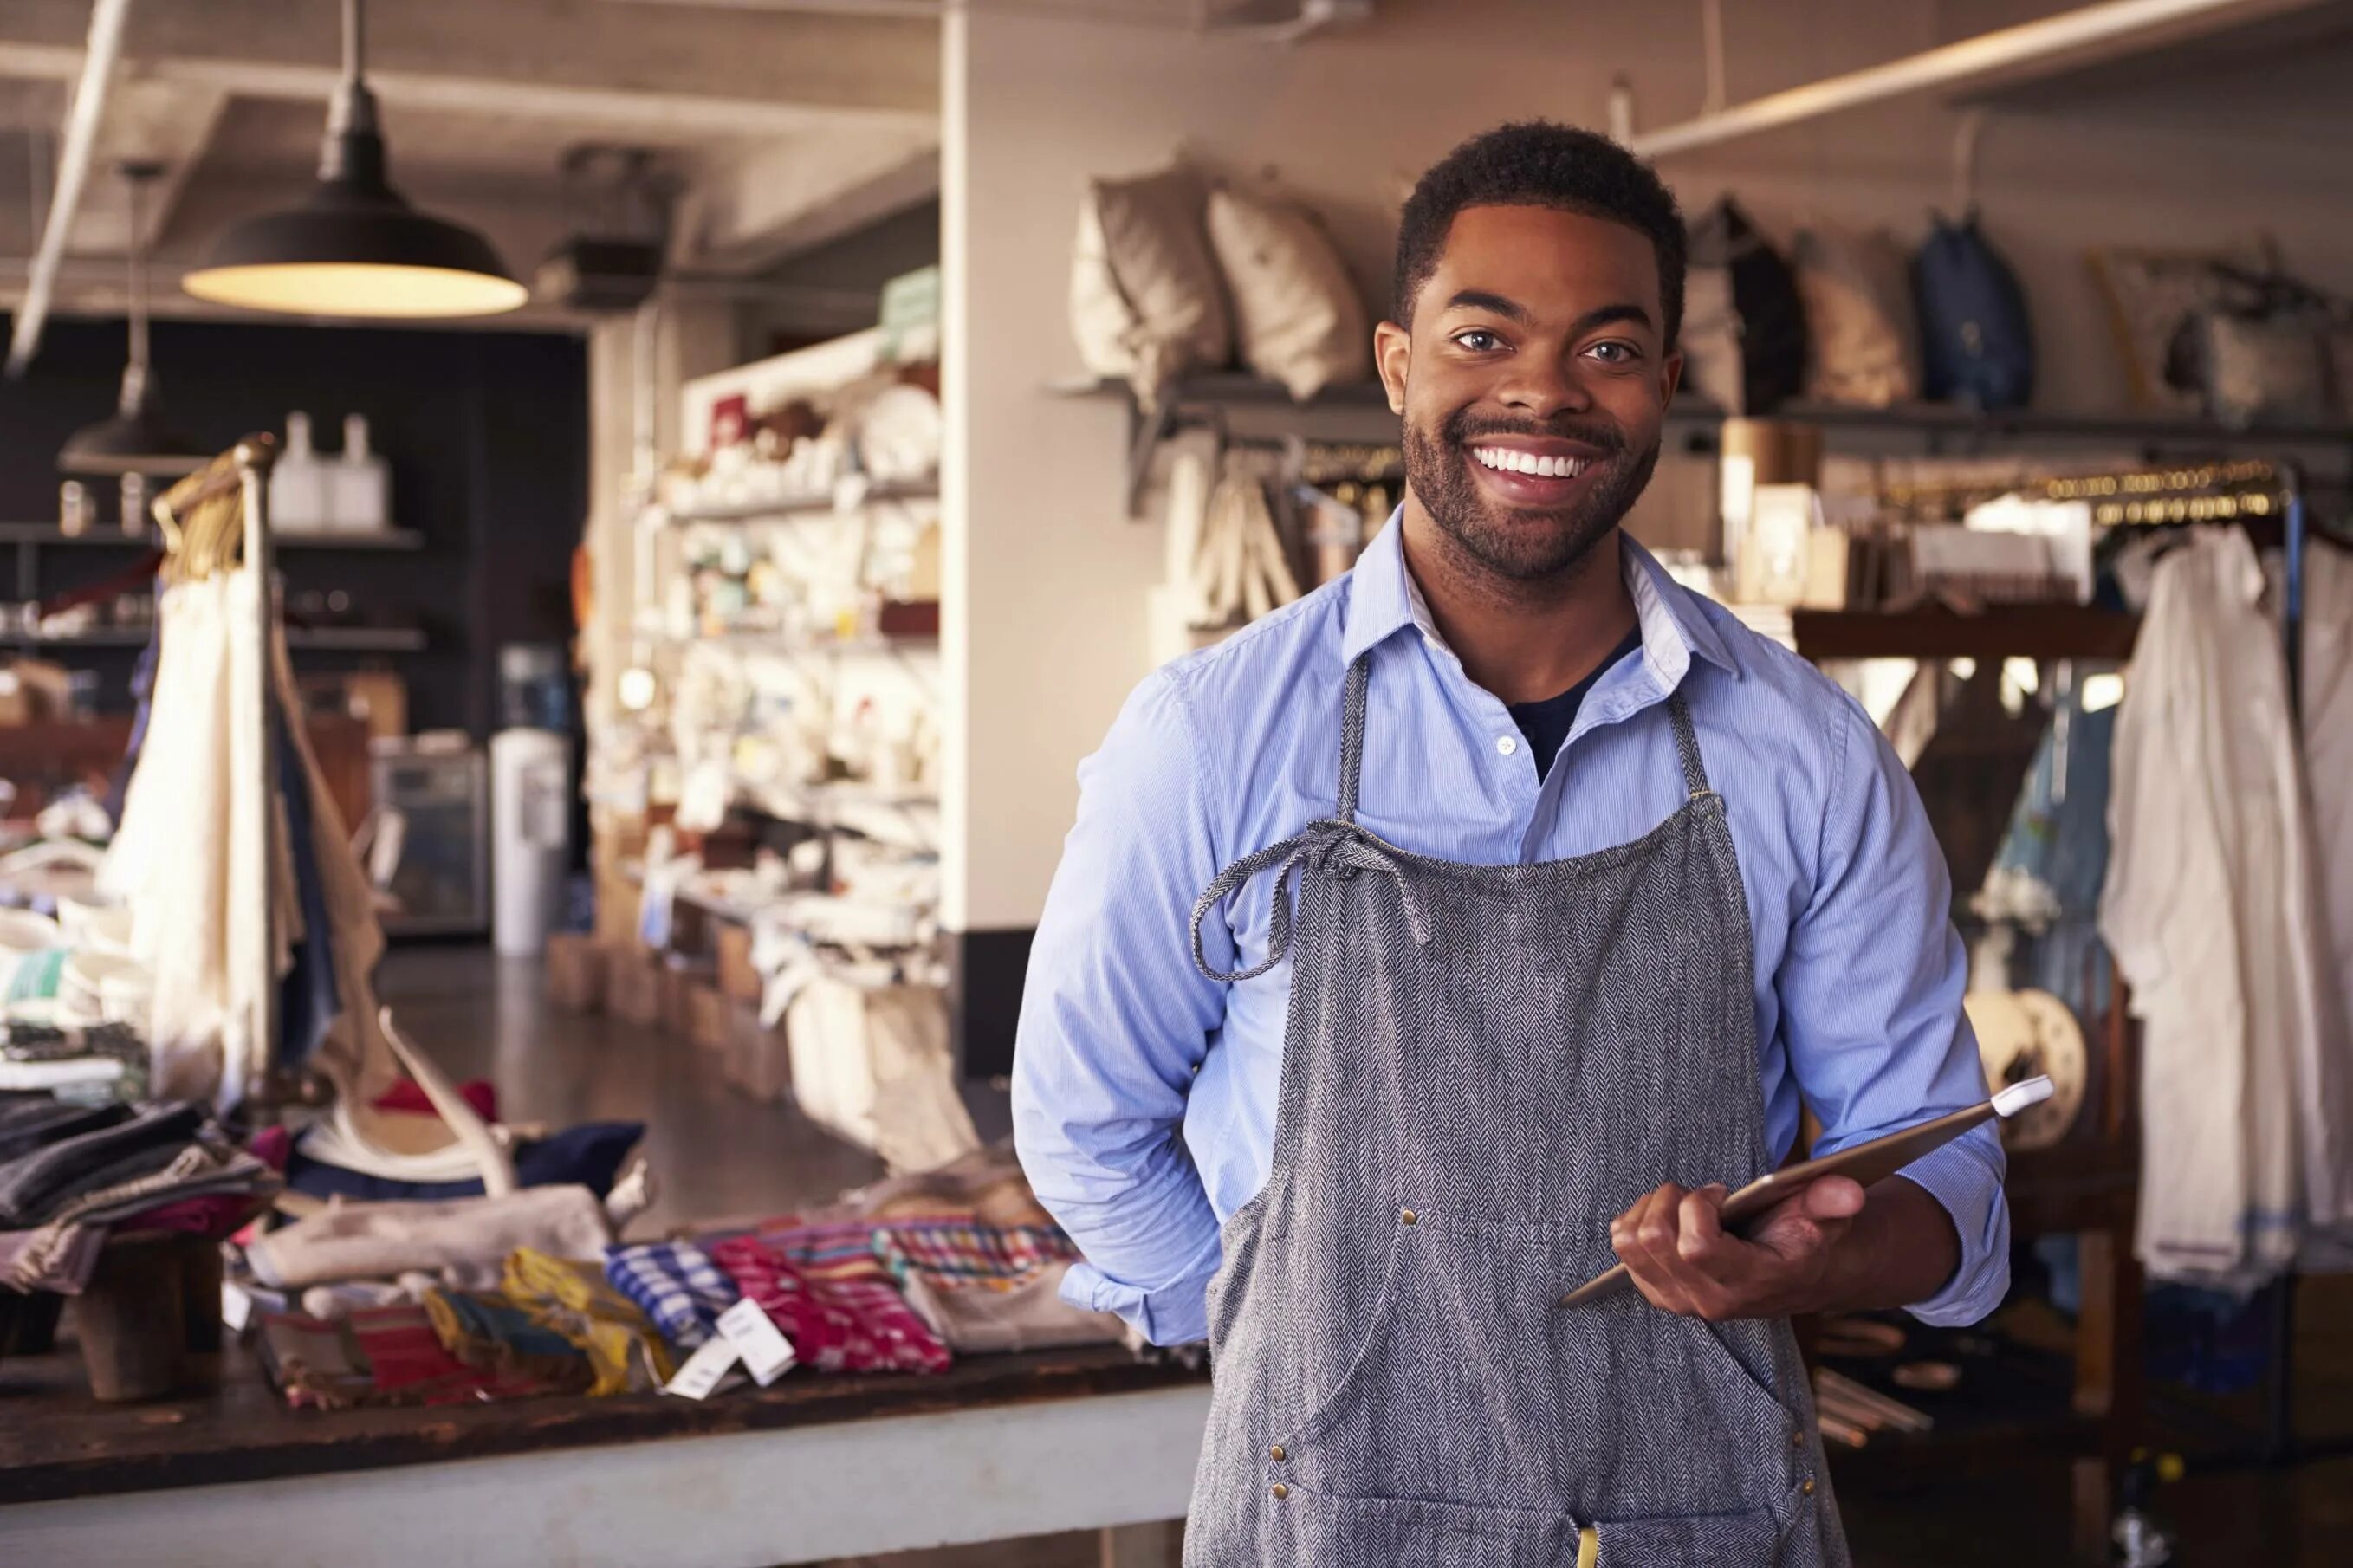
1537, 164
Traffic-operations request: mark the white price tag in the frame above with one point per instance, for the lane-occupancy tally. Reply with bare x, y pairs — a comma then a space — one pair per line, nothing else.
766, 1352
703, 1369
237, 1307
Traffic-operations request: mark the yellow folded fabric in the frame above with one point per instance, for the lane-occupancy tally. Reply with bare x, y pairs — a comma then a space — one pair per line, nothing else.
573, 1301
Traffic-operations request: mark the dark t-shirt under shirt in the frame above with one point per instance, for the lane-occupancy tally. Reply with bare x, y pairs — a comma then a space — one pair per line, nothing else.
1546, 724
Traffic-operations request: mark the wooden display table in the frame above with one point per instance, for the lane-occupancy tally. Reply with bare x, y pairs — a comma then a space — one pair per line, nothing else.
813, 1469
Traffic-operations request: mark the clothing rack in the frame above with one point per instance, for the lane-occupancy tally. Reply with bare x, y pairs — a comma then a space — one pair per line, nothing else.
210, 521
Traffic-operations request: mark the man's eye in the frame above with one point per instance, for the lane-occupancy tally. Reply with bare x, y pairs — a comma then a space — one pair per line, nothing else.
1614, 352
1479, 340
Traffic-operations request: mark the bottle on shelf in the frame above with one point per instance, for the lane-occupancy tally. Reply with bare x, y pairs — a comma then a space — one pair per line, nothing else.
298, 484
359, 485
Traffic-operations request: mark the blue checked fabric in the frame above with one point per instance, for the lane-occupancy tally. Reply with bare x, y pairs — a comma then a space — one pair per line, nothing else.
676, 1284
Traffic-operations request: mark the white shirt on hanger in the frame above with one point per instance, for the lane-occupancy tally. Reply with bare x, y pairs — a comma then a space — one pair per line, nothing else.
2211, 909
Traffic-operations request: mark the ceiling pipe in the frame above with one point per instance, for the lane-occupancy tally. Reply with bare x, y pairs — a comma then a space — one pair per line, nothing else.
1982, 59
98, 61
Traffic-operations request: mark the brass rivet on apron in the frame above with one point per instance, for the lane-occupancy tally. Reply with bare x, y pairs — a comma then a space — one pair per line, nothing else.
1797, 1437
1806, 1487
1411, 1217
1280, 1492
1279, 1455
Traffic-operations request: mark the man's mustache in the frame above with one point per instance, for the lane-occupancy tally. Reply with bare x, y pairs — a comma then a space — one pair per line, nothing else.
1460, 429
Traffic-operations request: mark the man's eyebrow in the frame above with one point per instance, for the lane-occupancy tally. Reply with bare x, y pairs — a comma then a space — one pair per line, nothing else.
1494, 304
1606, 314
1512, 310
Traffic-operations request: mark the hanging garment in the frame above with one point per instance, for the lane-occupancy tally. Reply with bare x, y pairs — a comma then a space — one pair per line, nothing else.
2326, 1096
2211, 909
1397, 1381
186, 860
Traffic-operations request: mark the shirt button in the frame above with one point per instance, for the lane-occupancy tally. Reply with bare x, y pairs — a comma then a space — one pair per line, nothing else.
1506, 744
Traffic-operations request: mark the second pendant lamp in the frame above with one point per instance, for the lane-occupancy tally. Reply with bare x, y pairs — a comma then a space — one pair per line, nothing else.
356, 247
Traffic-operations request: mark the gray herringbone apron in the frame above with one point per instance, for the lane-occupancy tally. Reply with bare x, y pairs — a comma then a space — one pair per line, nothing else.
1483, 1064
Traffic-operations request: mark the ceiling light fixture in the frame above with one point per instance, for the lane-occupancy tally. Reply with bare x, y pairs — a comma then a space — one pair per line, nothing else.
356, 247
134, 440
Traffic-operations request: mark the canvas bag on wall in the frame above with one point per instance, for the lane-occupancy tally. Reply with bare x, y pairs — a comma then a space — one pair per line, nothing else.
1146, 301
1859, 315
1772, 315
1296, 312
1977, 345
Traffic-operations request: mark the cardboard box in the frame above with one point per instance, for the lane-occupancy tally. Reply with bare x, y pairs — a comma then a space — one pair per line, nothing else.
737, 978
633, 986
616, 908
759, 1061
575, 973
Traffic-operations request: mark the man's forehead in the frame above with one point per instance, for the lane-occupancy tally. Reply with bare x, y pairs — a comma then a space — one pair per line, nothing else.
1545, 258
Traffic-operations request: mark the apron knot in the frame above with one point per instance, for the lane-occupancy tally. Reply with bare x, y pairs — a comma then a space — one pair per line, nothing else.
1341, 848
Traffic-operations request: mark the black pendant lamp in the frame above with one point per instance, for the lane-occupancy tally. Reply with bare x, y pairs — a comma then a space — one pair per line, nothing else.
135, 439
356, 247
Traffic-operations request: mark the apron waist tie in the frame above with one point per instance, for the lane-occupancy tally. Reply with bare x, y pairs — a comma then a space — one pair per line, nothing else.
1344, 848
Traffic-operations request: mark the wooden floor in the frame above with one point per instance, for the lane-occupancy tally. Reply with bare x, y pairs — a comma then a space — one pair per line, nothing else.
716, 1154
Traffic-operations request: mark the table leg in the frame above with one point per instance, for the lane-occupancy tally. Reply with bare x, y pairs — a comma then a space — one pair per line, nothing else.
1159, 1545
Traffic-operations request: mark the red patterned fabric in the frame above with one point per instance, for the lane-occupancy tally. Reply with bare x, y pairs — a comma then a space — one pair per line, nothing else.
832, 1298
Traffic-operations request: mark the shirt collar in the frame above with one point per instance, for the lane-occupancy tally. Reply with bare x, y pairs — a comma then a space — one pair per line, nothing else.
1384, 600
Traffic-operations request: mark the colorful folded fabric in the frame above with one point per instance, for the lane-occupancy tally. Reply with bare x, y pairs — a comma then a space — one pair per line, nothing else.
628, 1355
955, 1252
832, 1298
378, 1355
987, 1289
491, 1334
676, 1285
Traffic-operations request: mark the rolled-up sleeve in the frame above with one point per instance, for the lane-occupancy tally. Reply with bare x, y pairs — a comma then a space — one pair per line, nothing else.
1115, 1019
1870, 1006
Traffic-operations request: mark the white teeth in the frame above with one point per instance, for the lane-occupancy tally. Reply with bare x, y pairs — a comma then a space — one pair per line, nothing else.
1509, 460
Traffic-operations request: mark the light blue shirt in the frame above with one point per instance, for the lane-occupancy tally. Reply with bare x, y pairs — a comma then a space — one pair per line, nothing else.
1144, 1094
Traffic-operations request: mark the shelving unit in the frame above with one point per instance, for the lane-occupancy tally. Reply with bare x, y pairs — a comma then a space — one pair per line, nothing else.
43, 535
807, 506
316, 640
1205, 400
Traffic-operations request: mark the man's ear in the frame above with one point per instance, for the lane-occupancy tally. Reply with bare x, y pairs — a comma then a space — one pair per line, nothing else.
1672, 379
1393, 353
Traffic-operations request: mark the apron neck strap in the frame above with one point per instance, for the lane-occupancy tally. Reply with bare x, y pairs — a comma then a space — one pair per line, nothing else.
1687, 744
1352, 735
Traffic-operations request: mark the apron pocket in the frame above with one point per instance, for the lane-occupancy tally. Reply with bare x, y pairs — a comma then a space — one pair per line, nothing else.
1471, 1387
1748, 1540
1305, 1530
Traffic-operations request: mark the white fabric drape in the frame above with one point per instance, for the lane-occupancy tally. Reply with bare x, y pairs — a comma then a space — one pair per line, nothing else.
2213, 908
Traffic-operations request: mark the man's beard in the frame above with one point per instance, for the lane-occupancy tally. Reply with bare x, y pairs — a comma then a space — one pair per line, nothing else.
1523, 544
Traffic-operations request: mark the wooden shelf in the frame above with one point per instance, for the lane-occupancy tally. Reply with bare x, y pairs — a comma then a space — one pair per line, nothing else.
298, 639
45, 534
804, 507
1999, 631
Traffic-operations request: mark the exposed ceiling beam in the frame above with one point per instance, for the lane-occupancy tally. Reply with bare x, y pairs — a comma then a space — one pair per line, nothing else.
796, 193
635, 111
101, 51
164, 124
706, 70
1990, 61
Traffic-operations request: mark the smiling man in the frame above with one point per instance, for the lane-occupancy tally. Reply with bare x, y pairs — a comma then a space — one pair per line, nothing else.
1472, 924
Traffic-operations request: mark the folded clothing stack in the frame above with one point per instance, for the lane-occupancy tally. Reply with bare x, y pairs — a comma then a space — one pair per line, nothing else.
70, 1175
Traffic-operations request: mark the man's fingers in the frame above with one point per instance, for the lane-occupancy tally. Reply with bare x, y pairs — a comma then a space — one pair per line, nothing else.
1644, 1237
1700, 1229
1833, 1197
